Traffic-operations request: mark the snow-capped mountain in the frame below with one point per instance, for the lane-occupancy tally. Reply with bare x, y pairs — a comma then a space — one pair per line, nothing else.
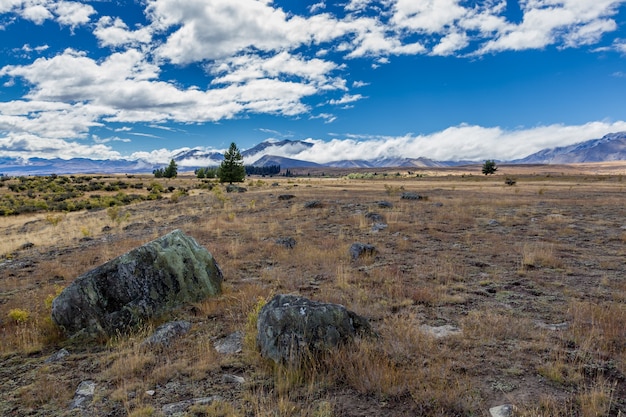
611, 147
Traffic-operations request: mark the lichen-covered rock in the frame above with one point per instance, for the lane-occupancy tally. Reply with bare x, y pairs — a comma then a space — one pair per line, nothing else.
289, 328
145, 282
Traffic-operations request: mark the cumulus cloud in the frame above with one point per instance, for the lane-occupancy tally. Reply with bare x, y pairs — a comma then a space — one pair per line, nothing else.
260, 59
458, 143
66, 13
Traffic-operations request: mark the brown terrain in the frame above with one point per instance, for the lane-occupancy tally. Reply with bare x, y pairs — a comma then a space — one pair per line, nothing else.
529, 280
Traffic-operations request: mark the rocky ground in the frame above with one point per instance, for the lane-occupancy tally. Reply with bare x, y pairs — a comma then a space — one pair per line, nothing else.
482, 293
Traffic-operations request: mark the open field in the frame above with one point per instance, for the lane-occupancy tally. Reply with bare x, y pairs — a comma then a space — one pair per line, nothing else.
531, 276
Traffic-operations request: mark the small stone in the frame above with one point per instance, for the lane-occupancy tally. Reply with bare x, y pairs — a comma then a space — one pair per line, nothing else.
505, 410
287, 242
233, 379
376, 227
286, 197
167, 332
83, 395
361, 249
493, 222
313, 204
411, 196
231, 344
384, 204
57, 356
150, 392
440, 331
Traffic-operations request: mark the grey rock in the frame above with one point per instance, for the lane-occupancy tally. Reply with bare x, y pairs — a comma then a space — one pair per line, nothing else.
233, 343
57, 356
287, 242
505, 410
233, 379
83, 395
411, 196
493, 222
384, 204
145, 282
553, 327
290, 328
286, 197
440, 331
313, 204
182, 406
230, 188
377, 227
166, 333
374, 217
358, 250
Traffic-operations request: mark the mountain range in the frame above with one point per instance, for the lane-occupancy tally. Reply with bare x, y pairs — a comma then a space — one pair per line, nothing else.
611, 147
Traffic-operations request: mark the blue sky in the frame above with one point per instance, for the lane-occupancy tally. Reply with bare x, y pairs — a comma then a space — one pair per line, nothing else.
361, 79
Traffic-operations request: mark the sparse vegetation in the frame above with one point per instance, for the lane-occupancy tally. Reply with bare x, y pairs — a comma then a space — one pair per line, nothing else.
536, 296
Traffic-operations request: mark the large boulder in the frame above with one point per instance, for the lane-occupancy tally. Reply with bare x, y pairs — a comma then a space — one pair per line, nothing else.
145, 282
290, 328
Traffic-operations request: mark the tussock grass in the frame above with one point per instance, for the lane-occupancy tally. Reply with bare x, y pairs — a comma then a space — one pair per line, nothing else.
554, 256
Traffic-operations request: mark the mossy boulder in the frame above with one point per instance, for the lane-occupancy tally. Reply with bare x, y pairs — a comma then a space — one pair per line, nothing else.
291, 328
146, 282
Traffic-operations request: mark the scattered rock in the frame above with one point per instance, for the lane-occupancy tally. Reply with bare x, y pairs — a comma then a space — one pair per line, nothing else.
27, 245
358, 250
438, 204
286, 197
313, 204
411, 196
107, 229
182, 406
57, 356
287, 242
290, 327
145, 282
230, 188
505, 410
231, 344
167, 332
384, 204
83, 395
440, 331
150, 393
493, 222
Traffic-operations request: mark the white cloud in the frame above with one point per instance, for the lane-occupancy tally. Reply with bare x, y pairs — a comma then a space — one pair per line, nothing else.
463, 142
347, 99
66, 13
24, 145
114, 32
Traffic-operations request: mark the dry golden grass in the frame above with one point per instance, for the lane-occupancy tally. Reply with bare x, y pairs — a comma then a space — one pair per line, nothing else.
553, 255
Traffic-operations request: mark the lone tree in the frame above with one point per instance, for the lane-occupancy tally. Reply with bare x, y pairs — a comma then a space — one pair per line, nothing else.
232, 169
489, 167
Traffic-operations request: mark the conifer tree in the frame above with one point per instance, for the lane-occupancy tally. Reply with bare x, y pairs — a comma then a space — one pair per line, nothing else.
232, 169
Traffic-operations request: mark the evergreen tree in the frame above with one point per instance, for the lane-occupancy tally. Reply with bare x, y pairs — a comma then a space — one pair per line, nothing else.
489, 167
171, 171
232, 169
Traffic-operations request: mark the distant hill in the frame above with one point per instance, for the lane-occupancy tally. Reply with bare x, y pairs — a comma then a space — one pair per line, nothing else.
611, 147
268, 160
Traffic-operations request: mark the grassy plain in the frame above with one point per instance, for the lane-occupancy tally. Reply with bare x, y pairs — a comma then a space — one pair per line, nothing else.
533, 277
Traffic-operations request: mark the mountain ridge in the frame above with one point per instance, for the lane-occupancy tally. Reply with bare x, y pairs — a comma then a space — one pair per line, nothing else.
610, 147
